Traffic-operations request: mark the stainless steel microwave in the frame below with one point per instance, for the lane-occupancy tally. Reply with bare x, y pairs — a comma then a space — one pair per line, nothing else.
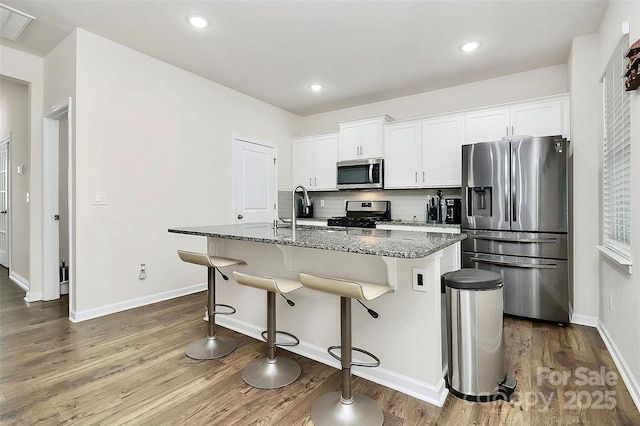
360, 174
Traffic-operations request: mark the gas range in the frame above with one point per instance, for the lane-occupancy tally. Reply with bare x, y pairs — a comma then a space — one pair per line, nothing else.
363, 214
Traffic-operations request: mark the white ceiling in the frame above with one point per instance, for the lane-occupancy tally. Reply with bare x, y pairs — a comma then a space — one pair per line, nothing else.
361, 51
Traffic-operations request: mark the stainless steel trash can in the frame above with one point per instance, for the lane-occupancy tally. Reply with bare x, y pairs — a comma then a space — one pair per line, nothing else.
474, 336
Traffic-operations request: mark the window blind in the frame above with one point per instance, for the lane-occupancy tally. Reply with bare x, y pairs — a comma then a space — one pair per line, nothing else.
616, 188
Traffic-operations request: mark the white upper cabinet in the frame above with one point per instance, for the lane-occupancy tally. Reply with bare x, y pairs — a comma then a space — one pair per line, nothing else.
538, 119
485, 126
402, 144
314, 161
361, 138
534, 118
302, 161
442, 151
423, 154
324, 163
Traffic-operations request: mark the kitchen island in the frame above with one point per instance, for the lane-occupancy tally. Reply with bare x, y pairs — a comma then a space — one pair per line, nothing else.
408, 334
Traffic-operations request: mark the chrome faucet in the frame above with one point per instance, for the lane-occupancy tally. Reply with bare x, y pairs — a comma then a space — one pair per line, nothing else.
306, 202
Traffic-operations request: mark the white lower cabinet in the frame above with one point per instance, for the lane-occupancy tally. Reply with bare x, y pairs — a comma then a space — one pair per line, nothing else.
314, 161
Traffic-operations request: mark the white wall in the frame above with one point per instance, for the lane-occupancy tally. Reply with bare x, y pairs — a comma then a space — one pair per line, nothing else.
620, 325
60, 85
586, 150
14, 119
158, 141
515, 87
29, 68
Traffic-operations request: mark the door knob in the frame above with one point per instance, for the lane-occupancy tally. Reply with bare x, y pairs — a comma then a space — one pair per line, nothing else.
240, 216
3, 212
56, 217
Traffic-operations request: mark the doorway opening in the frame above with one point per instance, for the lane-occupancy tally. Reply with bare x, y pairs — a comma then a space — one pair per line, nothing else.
57, 172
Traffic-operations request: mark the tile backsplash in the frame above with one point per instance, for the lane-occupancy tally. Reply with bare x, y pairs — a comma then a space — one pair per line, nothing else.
405, 203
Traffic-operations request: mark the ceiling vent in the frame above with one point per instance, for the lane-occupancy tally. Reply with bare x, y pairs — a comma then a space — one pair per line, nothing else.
13, 23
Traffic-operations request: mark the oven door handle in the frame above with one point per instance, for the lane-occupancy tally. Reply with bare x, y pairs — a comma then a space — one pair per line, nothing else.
514, 265
515, 240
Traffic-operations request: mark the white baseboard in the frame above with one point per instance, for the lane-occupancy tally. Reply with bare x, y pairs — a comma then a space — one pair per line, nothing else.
134, 303
587, 320
423, 391
22, 282
33, 297
625, 371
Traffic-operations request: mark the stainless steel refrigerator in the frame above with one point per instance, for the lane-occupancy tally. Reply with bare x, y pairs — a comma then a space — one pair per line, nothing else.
514, 211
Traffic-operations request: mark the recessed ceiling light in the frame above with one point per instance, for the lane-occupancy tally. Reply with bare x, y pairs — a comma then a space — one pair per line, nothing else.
316, 87
470, 47
198, 21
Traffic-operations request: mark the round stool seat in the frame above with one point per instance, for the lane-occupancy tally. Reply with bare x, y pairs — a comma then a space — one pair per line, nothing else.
276, 285
208, 261
343, 287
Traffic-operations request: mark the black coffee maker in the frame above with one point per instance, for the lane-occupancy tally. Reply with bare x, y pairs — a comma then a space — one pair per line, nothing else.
453, 209
304, 212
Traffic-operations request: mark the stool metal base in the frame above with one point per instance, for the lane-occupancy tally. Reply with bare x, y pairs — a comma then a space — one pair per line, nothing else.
211, 347
271, 374
329, 410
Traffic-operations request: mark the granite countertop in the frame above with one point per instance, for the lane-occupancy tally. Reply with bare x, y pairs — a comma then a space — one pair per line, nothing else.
417, 223
377, 242
392, 222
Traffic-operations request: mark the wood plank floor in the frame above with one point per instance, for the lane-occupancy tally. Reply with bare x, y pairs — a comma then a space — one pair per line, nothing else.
130, 368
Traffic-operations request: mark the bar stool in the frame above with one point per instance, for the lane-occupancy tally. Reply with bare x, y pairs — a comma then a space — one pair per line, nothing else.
212, 346
271, 372
345, 407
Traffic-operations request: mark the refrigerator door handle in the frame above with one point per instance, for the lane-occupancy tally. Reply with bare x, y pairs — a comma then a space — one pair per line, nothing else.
515, 240
514, 265
515, 151
506, 187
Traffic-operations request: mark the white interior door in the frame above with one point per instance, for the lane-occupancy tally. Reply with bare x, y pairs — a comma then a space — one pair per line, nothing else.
4, 201
256, 190
51, 211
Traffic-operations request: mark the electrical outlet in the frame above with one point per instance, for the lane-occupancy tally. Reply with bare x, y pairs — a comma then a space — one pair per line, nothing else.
321, 203
419, 280
143, 272
610, 302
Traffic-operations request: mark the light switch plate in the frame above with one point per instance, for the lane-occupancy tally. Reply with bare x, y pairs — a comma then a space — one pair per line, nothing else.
99, 198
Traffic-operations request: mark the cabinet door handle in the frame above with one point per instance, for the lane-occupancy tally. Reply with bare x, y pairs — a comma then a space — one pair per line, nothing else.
416, 176
423, 176
513, 132
315, 181
309, 181
506, 130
